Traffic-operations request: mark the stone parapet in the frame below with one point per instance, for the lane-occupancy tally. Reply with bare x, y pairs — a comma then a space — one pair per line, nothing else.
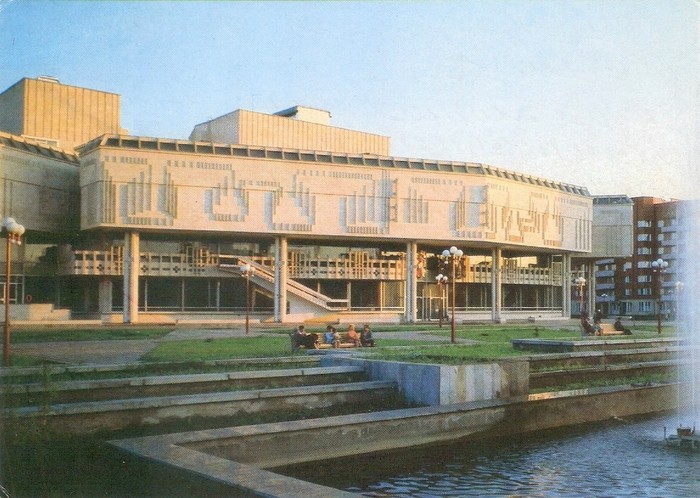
428, 384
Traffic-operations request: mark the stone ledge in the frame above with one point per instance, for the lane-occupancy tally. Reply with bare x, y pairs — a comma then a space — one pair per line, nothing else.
271, 445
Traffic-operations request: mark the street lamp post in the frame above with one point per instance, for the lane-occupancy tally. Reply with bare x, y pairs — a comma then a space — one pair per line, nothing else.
441, 281
580, 283
13, 234
246, 271
658, 267
452, 256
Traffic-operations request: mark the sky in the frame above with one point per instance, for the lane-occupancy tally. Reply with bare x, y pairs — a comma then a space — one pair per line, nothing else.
602, 94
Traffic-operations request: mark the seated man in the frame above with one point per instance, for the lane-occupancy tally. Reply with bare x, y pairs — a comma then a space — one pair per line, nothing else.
618, 326
302, 338
366, 337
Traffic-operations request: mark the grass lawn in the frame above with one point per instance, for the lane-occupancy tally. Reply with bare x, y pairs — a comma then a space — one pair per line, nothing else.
492, 341
217, 349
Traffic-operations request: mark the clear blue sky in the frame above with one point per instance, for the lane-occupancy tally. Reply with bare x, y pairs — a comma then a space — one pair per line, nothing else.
597, 93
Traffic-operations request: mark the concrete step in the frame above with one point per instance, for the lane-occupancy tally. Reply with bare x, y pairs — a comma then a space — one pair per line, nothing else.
170, 385
581, 359
562, 377
86, 370
89, 417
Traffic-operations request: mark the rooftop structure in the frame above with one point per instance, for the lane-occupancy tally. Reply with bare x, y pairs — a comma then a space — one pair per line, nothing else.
61, 115
300, 128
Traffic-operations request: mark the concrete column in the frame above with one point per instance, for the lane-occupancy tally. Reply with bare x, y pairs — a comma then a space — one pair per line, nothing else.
281, 278
131, 277
590, 269
496, 289
411, 282
566, 285
105, 297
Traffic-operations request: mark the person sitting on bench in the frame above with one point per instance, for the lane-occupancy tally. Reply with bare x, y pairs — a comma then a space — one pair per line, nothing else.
366, 337
353, 336
303, 338
332, 337
618, 326
586, 325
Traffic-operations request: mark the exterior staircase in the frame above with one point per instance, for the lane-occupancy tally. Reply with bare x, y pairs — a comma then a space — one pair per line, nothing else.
264, 277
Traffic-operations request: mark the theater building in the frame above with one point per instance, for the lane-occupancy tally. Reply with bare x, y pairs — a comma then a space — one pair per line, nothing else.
328, 224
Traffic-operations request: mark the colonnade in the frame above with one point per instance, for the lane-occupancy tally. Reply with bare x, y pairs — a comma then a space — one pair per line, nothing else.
132, 271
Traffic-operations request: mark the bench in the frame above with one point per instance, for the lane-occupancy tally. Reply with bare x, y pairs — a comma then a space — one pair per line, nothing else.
608, 329
603, 329
322, 344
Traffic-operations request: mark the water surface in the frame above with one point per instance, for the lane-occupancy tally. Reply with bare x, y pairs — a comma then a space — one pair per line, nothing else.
615, 458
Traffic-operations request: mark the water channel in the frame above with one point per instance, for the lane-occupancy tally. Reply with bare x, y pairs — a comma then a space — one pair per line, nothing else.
614, 458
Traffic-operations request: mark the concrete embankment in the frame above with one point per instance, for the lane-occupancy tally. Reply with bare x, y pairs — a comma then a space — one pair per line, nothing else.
253, 448
174, 385
606, 372
86, 417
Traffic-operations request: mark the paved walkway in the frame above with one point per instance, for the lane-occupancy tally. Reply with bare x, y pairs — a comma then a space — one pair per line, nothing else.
88, 352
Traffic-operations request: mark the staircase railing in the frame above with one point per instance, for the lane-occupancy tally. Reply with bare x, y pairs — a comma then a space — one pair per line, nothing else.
263, 274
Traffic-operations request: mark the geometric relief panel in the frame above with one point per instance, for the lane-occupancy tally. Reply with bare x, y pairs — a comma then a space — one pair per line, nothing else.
292, 210
370, 206
227, 201
144, 201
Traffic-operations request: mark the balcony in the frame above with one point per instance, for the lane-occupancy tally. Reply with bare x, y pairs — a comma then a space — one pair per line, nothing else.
354, 266
605, 273
609, 286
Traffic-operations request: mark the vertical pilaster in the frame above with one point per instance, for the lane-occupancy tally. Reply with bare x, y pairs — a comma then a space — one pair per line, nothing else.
411, 282
131, 277
281, 278
566, 285
105, 297
590, 268
496, 285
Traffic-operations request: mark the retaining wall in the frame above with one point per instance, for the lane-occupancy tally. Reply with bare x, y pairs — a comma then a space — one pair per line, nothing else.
251, 449
427, 384
87, 417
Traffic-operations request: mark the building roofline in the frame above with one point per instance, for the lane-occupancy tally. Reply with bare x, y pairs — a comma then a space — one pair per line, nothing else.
277, 115
289, 111
35, 147
54, 80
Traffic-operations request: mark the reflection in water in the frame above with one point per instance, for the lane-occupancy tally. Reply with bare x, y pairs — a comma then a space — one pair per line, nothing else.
617, 458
